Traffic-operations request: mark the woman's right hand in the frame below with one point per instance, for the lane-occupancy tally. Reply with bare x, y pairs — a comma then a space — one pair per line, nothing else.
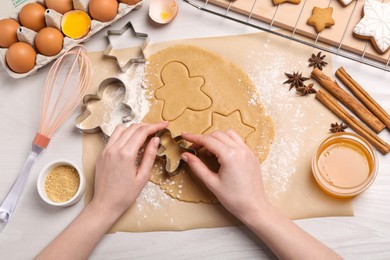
239, 187
238, 184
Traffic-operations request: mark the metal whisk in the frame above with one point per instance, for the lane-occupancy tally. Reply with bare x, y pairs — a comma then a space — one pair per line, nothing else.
65, 86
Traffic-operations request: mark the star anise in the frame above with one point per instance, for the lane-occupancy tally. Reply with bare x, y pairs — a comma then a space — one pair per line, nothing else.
317, 61
336, 128
295, 80
305, 90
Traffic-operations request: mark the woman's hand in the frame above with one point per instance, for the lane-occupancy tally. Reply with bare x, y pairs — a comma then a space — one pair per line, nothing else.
239, 187
238, 184
119, 179
120, 172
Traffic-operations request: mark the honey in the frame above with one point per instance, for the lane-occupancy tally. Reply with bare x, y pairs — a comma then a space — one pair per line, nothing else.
344, 165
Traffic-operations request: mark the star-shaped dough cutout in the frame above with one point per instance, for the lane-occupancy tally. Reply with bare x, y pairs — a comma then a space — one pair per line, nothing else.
231, 121
321, 18
181, 91
375, 24
278, 2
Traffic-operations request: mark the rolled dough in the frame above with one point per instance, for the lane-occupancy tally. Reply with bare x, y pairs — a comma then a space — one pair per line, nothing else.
300, 125
199, 92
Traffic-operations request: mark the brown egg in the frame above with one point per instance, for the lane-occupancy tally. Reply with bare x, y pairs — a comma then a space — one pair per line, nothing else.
130, 2
103, 10
32, 16
49, 41
20, 57
8, 28
61, 6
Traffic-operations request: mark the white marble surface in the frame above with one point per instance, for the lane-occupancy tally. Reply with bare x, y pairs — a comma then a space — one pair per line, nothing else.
364, 236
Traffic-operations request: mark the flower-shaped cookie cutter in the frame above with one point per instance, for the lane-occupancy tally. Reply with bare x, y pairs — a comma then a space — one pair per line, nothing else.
135, 60
124, 111
170, 149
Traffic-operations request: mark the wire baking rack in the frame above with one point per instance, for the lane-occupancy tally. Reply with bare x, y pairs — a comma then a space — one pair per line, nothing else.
224, 9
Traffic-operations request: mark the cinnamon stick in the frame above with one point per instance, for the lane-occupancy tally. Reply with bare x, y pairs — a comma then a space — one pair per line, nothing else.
346, 99
363, 96
352, 121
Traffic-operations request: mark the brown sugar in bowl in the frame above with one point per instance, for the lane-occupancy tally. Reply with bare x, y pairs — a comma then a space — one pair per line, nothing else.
61, 183
344, 165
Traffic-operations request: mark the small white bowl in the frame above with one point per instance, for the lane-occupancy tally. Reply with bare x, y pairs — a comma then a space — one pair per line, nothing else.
41, 184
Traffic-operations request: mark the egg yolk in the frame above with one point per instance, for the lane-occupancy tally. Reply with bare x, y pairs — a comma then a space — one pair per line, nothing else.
76, 24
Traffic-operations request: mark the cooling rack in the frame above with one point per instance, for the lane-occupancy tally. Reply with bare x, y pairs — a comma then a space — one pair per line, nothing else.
265, 16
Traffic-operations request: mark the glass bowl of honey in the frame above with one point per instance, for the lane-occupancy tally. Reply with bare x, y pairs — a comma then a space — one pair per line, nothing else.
344, 165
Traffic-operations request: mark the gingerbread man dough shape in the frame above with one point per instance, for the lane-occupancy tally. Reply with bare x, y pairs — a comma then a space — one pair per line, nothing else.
179, 85
375, 25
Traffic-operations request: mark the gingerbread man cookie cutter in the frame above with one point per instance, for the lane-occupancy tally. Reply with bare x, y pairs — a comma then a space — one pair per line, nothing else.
135, 60
170, 149
97, 123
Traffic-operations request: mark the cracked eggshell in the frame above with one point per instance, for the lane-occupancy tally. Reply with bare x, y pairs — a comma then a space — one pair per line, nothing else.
163, 11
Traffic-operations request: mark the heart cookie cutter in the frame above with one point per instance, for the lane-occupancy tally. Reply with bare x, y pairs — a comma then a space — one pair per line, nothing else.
170, 149
136, 60
123, 110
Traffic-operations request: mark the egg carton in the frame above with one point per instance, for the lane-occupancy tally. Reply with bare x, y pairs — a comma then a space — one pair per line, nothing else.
53, 19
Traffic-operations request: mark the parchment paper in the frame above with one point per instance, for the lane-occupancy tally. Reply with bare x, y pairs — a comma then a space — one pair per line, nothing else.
300, 123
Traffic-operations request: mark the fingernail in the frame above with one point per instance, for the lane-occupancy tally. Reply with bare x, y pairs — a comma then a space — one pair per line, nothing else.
184, 133
184, 157
156, 140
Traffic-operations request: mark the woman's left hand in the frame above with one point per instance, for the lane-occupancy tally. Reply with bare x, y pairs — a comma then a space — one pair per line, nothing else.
120, 172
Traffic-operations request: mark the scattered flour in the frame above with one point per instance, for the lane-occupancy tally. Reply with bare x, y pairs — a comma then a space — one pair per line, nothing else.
134, 102
135, 93
117, 110
151, 195
281, 161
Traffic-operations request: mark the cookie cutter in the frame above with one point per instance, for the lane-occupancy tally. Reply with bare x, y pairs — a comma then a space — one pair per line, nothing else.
136, 60
79, 121
172, 168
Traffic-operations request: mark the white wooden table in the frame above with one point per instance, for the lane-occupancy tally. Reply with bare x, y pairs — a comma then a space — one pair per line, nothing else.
364, 236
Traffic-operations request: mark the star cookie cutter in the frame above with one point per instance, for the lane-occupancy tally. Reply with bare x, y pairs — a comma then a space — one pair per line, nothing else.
135, 60
170, 149
124, 111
